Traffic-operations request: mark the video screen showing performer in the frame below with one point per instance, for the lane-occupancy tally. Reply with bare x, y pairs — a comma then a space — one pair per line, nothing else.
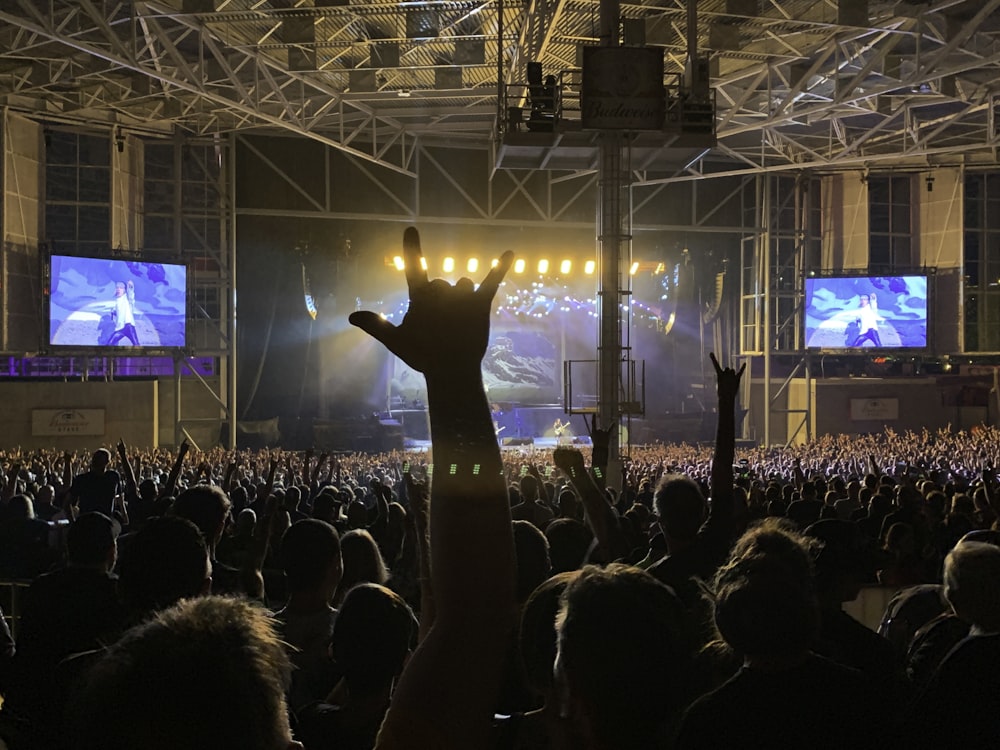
120, 303
877, 312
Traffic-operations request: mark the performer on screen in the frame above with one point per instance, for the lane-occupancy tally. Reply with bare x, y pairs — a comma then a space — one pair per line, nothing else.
868, 321
123, 314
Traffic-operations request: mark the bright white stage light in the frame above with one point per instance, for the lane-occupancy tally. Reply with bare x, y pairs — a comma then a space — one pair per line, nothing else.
423, 263
543, 266
566, 266
519, 265
473, 265
494, 263
634, 269
398, 262
448, 265
589, 266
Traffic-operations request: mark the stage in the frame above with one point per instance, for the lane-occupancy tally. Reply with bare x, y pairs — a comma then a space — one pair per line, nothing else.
540, 443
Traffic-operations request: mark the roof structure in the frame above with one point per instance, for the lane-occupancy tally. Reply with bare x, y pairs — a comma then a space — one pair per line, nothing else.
799, 84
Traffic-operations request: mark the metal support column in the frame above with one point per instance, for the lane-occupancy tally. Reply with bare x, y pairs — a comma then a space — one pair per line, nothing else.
178, 429
231, 357
764, 254
615, 243
614, 246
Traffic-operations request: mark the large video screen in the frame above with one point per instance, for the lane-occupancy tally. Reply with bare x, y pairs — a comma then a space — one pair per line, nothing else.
103, 302
866, 312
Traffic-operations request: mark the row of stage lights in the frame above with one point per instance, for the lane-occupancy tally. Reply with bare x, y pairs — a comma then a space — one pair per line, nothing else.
520, 265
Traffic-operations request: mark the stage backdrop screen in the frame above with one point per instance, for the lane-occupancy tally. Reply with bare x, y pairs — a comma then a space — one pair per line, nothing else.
101, 302
866, 312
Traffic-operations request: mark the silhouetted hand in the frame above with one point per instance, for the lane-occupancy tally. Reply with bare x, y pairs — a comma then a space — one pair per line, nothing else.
419, 498
445, 326
570, 462
727, 380
601, 441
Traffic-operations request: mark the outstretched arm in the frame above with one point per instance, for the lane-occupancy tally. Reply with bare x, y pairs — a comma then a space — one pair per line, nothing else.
989, 475
171, 486
131, 486
448, 690
728, 385
602, 519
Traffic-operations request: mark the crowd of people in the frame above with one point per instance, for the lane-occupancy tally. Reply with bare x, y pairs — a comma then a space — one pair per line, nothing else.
471, 598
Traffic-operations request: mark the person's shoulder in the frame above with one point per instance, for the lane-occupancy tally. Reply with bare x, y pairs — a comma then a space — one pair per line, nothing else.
520, 512
974, 652
543, 511
833, 670
409, 729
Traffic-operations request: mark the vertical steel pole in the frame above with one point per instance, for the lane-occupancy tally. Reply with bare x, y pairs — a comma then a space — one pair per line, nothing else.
231, 363
613, 212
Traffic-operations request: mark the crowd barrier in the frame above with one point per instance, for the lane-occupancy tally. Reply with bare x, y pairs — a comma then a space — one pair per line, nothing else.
11, 592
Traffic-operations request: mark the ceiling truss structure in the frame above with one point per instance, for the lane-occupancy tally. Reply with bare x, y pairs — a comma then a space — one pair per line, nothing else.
800, 84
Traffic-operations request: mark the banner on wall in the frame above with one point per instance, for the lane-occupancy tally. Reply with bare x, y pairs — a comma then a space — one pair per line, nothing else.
622, 88
868, 409
48, 422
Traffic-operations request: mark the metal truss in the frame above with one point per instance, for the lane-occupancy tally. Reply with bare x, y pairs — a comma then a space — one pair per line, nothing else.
151, 65
497, 197
799, 84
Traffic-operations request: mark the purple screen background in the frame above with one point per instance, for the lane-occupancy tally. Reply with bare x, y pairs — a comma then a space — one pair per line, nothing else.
833, 320
82, 297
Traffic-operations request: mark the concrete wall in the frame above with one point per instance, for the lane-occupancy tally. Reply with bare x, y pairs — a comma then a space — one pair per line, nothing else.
20, 223
131, 412
196, 404
938, 229
937, 240
922, 402
845, 221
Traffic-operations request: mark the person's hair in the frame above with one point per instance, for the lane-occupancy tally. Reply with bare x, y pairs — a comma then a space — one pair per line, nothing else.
529, 488
167, 560
765, 602
972, 583
619, 626
238, 497
206, 506
357, 514
680, 506
246, 520
531, 550
537, 633
90, 539
374, 632
325, 506
101, 457
363, 562
147, 490
205, 674
899, 538
308, 548
20, 508
569, 541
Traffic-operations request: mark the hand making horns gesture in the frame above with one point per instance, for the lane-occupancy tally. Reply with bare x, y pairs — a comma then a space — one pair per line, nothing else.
446, 328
